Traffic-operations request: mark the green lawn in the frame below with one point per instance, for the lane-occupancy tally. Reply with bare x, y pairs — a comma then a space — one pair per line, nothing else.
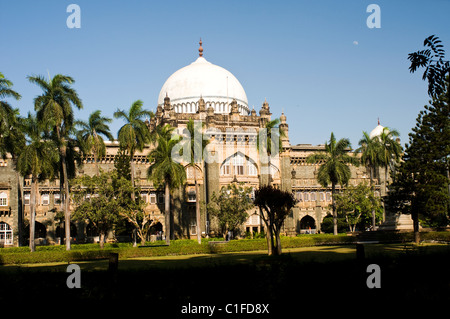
322, 254
314, 278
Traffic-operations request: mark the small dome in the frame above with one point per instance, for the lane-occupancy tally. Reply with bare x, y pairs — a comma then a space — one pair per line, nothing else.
217, 86
376, 131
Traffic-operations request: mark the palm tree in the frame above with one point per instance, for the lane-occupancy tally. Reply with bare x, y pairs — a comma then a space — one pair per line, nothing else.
37, 159
197, 144
8, 118
391, 151
134, 134
90, 136
54, 111
266, 146
165, 171
334, 168
371, 155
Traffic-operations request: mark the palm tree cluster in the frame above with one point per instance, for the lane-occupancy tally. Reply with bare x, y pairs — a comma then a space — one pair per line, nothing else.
50, 143
374, 152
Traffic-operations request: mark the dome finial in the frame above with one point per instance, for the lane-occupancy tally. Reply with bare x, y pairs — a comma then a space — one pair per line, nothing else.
200, 49
378, 121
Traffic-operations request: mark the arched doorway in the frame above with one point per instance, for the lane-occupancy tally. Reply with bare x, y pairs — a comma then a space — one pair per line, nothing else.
61, 234
156, 231
307, 225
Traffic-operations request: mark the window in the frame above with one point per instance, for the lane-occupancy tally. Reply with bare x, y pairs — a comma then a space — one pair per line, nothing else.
45, 199
238, 162
6, 234
306, 197
144, 197
160, 198
321, 197
225, 170
328, 197
313, 196
193, 227
251, 168
57, 198
3, 199
191, 196
152, 198
26, 199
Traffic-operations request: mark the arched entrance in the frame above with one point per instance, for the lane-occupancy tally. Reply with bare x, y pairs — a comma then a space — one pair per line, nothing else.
61, 234
307, 225
156, 232
40, 233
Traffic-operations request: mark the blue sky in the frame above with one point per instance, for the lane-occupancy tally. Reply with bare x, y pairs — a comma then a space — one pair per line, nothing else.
315, 60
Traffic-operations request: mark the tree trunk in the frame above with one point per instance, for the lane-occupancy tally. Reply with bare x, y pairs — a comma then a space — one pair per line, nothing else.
32, 214
102, 240
415, 218
277, 247
269, 237
133, 195
333, 191
67, 198
167, 212
97, 168
197, 208
372, 188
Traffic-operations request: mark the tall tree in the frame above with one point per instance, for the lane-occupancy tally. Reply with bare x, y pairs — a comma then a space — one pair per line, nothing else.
391, 152
371, 157
55, 112
417, 186
334, 168
9, 134
37, 159
357, 203
90, 135
134, 134
197, 146
164, 171
97, 202
421, 184
268, 141
230, 206
274, 206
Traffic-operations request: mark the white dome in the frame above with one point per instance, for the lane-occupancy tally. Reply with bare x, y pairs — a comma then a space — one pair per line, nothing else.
376, 131
217, 86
